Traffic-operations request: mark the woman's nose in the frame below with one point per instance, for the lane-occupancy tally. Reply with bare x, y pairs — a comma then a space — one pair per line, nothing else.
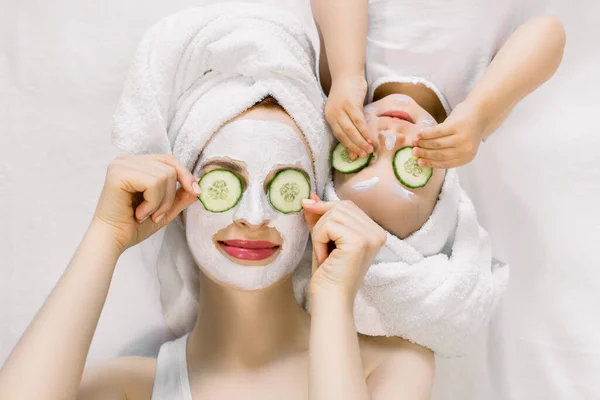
253, 212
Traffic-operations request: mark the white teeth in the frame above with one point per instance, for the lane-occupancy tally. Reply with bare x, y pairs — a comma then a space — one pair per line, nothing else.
401, 191
364, 185
390, 139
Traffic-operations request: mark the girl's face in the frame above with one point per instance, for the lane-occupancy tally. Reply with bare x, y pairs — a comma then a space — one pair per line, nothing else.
393, 123
252, 245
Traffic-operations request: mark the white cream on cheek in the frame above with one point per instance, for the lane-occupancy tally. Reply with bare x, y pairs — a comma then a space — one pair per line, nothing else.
400, 191
428, 122
366, 184
390, 139
262, 146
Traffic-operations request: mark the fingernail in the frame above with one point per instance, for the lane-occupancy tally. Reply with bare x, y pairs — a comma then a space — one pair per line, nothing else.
421, 163
159, 218
370, 149
196, 187
144, 219
352, 156
308, 202
363, 153
369, 141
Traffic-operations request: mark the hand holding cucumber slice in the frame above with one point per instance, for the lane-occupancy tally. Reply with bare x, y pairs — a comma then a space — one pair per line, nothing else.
408, 171
221, 190
287, 190
341, 161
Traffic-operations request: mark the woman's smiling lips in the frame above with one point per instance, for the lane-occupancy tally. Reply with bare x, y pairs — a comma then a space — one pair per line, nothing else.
249, 250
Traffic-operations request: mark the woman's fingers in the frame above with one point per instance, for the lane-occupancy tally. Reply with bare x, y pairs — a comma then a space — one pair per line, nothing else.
185, 177
182, 201
169, 199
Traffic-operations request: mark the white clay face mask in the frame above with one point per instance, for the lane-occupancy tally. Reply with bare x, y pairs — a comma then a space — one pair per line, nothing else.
366, 184
262, 146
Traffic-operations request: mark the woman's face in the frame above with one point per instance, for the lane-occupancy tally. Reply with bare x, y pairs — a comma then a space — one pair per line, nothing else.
393, 123
250, 246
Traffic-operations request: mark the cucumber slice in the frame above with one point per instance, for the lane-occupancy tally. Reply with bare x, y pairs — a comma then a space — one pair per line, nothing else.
341, 160
221, 190
287, 190
408, 171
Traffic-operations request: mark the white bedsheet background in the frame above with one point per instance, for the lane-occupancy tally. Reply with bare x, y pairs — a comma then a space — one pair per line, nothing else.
536, 185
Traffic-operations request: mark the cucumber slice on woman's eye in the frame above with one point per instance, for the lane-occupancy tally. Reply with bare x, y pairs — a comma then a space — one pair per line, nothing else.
408, 171
221, 190
341, 161
287, 190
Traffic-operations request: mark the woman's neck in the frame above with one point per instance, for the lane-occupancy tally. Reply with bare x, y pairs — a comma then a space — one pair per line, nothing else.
246, 329
420, 93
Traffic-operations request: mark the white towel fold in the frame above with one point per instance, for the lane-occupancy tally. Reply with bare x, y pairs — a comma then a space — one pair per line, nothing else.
193, 72
438, 287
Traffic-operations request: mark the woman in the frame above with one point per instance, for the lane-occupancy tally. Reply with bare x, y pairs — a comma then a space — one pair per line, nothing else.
250, 338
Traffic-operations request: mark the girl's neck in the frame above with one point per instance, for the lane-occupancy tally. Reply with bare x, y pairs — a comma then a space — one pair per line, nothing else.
246, 329
420, 93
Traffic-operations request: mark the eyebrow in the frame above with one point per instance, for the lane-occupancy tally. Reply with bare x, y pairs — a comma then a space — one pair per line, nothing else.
232, 166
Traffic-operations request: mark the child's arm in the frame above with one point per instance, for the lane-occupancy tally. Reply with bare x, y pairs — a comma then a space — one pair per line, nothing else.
342, 26
529, 58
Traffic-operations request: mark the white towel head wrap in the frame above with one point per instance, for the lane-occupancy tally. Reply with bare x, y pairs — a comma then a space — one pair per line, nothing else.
193, 72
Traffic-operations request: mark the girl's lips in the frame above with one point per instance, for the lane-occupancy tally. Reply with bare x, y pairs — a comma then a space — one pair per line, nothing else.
398, 114
250, 250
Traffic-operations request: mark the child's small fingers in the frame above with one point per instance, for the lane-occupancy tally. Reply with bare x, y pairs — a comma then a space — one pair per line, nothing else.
341, 136
435, 155
457, 162
433, 133
358, 142
436, 144
358, 119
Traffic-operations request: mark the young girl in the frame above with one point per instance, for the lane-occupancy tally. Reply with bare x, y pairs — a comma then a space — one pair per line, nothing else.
460, 59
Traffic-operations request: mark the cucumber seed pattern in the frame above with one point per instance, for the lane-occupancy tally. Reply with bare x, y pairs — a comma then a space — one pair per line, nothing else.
218, 190
345, 156
289, 191
412, 167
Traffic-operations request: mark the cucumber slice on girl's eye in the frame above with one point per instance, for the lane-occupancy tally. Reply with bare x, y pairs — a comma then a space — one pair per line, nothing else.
408, 171
221, 190
341, 160
287, 190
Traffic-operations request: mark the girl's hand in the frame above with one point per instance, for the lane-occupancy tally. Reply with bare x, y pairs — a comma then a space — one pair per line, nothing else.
140, 196
344, 112
345, 241
452, 143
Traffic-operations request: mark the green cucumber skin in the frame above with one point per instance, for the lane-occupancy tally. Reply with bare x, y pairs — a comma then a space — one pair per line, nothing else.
357, 169
236, 202
400, 178
274, 180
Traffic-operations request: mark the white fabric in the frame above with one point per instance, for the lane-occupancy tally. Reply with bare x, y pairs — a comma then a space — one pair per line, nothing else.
444, 44
439, 286
193, 72
171, 380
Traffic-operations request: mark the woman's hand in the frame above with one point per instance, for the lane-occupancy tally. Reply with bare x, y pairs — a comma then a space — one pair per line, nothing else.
140, 196
355, 239
344, 112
